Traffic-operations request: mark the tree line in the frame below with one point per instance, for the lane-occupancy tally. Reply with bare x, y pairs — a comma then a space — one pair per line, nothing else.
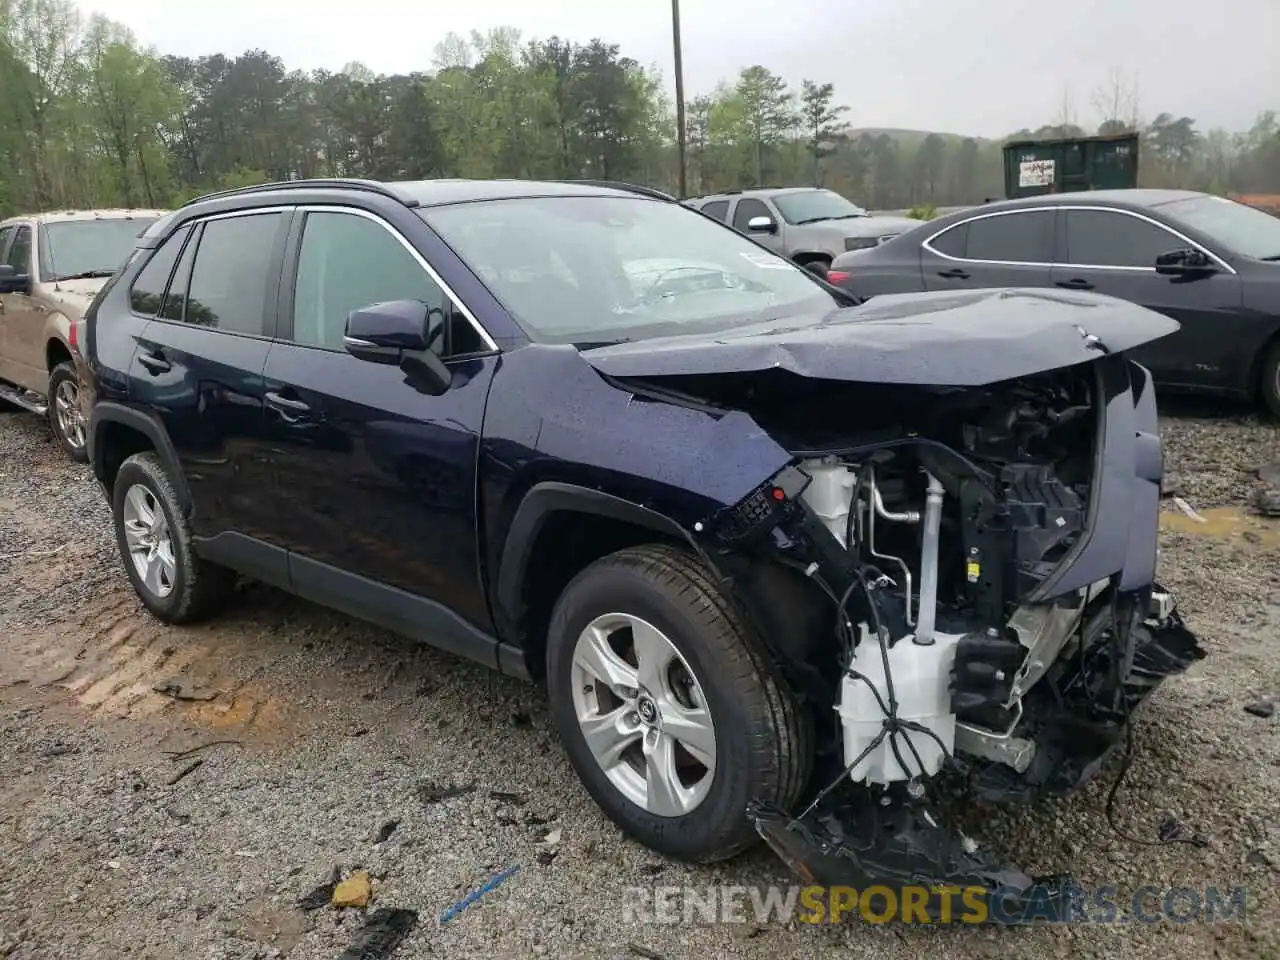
89, 117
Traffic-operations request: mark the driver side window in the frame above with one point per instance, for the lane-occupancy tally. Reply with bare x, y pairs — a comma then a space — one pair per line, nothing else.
20, 251
347, 262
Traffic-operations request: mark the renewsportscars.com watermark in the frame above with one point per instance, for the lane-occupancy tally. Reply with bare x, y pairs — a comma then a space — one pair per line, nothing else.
931, 905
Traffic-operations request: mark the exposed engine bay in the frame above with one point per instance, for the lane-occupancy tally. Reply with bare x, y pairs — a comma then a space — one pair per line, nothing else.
940, 550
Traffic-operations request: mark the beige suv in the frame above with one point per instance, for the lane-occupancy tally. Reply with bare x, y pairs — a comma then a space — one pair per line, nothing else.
51, 266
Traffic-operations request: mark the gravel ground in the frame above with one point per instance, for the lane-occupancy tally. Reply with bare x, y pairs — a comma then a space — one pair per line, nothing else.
338, 730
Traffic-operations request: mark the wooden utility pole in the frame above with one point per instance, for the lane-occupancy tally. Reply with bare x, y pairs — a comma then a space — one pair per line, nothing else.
680, 127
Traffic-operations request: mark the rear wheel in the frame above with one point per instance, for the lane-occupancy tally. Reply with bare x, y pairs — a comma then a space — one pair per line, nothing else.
155, 544
65, 416
1269, 381
667, 706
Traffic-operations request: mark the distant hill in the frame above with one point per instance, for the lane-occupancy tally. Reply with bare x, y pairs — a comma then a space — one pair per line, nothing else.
913, 138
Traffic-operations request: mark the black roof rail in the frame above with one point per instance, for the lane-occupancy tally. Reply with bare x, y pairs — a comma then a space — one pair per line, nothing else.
342, 183
623, 185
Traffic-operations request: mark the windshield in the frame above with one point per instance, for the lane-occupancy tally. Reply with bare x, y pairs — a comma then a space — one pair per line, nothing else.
97, 248
810, 206
1244, 230
591, 270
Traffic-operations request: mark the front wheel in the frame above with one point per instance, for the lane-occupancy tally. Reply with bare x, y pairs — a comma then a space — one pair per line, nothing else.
66, 419
668, 708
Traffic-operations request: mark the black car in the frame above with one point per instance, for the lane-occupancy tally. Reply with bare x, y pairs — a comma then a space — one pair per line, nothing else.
1210, 263
754, 539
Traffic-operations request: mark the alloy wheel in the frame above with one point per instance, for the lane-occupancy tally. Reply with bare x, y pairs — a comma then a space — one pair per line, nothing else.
643, 715
66, 401
150, 542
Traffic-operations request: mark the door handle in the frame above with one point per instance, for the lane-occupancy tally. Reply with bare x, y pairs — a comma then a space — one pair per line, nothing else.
284, 403
290, 410
154, 362
1075, 283
955, 273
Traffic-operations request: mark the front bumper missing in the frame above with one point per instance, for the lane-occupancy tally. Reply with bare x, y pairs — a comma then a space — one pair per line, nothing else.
861, 839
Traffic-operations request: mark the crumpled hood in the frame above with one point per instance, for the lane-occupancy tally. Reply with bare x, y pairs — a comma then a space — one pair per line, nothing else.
970, 338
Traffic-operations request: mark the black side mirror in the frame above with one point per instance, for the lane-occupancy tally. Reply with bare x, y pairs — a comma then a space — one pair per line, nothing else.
1177, 263
396, 333
11, 281
818, 268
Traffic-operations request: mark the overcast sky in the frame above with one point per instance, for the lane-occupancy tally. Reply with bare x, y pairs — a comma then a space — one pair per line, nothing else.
984, 67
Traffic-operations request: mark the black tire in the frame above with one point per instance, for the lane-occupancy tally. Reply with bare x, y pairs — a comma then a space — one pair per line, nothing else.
764, 741
63, 373
1269, 379
199, 587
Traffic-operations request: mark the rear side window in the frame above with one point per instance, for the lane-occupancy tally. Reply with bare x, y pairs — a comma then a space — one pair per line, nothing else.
952, 242
717, 208
1012, 238
147, 292
231, 276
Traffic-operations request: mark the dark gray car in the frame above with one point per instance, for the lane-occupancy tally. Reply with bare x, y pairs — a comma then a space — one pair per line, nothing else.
1208, 262
804, 224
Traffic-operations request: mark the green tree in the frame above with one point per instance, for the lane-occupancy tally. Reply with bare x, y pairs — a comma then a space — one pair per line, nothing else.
767, 109
822, 124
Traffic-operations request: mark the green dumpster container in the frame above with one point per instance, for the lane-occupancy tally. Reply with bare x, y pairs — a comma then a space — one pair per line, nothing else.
1035, 167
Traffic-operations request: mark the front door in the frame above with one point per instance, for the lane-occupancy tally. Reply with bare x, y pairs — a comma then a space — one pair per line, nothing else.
22, 321
198, 365
1114, 252
376, 480
746, 210
1012, 249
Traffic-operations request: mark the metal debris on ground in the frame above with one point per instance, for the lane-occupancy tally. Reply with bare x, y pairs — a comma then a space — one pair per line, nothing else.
188, 769
489, 886
430, 793
174, 690
381, 934
645, 952
1188, 510
1262, 708
183, 754
503, 796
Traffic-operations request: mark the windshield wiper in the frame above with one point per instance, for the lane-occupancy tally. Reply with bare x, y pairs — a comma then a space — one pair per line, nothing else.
86, 275
593, 344
834, 216
1273, 258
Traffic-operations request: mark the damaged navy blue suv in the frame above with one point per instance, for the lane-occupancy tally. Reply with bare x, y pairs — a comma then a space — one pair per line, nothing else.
785, 562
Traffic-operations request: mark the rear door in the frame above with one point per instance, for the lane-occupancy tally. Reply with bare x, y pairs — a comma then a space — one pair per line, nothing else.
198, 365
1114, 251
716, 208
376, 481
1005, 249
